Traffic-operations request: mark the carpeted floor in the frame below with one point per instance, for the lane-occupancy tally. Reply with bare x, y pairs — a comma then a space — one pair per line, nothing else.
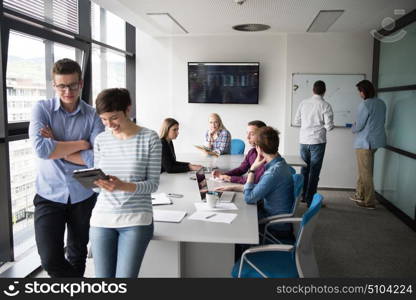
354, 242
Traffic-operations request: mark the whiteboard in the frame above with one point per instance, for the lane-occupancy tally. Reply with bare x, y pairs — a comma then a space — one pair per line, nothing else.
341, 93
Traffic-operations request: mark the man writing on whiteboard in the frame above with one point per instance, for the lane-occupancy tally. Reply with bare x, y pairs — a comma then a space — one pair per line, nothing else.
315, 118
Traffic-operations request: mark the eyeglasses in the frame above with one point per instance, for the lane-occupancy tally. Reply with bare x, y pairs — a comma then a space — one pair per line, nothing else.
71, 87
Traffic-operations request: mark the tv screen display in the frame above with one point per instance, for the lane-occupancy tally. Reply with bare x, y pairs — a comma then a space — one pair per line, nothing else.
223, 82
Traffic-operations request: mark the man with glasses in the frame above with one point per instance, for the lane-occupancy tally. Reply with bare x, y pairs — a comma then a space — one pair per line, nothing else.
62, 131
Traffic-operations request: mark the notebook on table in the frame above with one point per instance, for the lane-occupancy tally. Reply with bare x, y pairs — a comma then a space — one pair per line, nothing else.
171, 216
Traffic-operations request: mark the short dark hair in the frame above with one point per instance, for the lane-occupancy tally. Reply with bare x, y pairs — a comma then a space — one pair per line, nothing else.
319, 87
257, 123
267, 138
367, 88
115, 99
66, 66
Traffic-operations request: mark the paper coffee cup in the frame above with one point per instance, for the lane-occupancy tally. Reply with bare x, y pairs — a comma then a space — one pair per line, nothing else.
212, 199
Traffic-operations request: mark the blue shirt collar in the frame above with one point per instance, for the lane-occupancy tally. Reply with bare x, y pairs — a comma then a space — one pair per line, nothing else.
273, 162
80, 108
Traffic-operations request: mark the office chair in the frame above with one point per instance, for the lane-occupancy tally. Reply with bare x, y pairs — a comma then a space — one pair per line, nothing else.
267, 235
280, 260
237, 146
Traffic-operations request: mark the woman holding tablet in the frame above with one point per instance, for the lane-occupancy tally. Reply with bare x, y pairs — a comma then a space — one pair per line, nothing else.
122, 220
168, 132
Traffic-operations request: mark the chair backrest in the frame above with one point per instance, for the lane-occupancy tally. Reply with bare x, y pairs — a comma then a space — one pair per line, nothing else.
237, 146
305, 255
297, 189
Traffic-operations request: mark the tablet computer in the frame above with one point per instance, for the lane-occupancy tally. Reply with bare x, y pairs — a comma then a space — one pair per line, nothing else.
87, 176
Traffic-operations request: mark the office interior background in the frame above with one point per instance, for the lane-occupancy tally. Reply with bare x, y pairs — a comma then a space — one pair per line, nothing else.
124, 44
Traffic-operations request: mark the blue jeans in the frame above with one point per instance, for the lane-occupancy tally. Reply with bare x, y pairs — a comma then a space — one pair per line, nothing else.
118, 252
313, 156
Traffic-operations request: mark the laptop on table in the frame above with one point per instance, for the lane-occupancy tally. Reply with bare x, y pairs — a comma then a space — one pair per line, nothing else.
225, 197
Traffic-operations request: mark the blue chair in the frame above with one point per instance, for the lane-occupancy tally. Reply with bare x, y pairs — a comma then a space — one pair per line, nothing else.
297, 189
280, 260
237, 146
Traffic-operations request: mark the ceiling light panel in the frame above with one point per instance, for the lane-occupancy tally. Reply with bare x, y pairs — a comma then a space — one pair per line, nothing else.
167, 23
324, 20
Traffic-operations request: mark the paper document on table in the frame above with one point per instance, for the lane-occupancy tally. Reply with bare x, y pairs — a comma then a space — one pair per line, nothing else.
160, 199
201, 206
174, 216
213, 217
207, 150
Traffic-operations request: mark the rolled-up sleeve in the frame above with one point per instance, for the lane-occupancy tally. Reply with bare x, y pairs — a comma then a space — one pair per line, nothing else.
329, 118
88, 155
297, 120
43, 147
256, 192
362, 117
96, 160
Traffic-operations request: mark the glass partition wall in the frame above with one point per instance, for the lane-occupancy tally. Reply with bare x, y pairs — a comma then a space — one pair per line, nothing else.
395, 78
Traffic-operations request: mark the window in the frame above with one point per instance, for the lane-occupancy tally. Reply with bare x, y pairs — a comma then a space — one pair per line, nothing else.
61, 13
109, 58
35, 34
25, 72
22, 183
108, 69
27, 75
107, 27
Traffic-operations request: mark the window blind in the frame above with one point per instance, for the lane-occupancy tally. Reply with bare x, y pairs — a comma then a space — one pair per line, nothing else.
61, 13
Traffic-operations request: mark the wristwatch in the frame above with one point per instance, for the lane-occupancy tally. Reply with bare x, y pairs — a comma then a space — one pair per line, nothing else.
251, 171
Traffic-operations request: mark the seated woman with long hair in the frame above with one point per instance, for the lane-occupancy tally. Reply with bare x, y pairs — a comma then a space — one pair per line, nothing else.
168, 132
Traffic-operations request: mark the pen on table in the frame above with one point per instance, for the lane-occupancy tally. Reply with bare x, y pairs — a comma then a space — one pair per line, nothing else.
210, 216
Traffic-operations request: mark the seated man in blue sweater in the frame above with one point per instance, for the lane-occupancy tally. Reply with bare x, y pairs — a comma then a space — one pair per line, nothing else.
274, 192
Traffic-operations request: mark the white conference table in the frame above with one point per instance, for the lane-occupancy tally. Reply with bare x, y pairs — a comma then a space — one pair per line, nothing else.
198, 248
195, 248
229, 161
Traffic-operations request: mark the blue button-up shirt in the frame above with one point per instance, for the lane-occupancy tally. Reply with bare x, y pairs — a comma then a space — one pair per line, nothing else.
369, 126
54, 179
275, 188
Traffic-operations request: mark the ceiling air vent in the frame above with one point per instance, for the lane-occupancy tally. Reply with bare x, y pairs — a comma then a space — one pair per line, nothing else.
251, 27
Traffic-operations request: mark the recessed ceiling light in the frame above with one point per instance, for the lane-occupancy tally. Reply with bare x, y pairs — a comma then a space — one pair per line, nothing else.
324, 19
167, 23
251, 27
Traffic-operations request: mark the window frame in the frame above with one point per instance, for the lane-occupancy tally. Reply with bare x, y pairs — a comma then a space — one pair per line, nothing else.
11, 20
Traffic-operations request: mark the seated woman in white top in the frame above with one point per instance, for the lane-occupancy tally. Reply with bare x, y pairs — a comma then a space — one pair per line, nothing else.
122, 219
217, 137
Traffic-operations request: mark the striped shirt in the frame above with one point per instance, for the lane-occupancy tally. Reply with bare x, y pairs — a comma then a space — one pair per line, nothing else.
135, 160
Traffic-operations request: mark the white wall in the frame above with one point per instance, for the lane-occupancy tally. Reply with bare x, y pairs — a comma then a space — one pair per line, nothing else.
162, 83
328, 53
162, 86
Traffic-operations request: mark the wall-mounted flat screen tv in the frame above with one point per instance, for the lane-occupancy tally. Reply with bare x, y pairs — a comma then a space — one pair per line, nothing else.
210, 82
